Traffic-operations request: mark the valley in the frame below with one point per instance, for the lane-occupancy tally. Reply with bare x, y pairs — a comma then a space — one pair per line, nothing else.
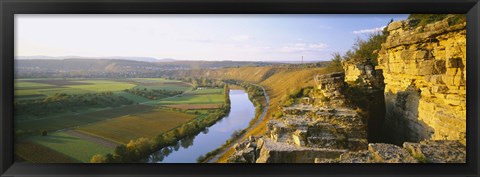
397, 95
130, 112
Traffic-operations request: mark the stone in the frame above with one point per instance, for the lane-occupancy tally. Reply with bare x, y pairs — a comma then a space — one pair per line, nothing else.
389, 153
299, 137
439, 89
454, 63
249, 155
395, 25
433, 61
280, 152
357, 157
437, 151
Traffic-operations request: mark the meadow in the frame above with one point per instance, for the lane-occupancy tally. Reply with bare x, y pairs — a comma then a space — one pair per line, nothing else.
130, 127
199, 96
72, 146
77, 133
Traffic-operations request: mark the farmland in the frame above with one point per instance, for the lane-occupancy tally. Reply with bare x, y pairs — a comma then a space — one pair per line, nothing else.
201, 96
129, 127
72, 146
71, 120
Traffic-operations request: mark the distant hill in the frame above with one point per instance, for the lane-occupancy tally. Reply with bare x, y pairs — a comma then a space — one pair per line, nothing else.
41, 57
101, 67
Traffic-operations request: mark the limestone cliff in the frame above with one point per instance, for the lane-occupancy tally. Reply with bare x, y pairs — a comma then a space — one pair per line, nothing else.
410, 108
424, 75
322, 128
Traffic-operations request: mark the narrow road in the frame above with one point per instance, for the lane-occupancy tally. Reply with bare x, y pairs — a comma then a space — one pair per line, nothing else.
218, 155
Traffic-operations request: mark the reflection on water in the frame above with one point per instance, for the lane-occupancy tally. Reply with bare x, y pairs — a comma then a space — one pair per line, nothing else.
189, 149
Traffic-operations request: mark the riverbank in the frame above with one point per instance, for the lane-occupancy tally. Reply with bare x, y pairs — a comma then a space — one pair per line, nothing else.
214, 155
189, 149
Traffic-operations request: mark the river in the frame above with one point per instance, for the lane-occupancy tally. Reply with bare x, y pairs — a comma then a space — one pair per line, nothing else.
189, 149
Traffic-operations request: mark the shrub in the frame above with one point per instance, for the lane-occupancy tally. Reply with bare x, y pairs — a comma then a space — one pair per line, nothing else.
44, 132
98, 159
336, 62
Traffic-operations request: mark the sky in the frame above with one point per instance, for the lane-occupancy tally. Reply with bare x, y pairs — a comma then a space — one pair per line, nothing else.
285, 37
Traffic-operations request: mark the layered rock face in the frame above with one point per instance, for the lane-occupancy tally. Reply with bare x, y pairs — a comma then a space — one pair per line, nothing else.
411, 108
425, 86
365, 90
429, 151
322, 130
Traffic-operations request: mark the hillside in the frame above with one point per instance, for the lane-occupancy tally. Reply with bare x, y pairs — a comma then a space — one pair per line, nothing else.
110, 67
406, 106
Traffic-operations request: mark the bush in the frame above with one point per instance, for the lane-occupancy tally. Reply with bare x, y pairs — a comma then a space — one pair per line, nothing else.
417, 20
44, 132
336, 62
98, 159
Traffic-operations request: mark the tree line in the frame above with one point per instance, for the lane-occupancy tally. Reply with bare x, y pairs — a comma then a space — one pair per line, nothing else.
153, 94
141, 148
62, 102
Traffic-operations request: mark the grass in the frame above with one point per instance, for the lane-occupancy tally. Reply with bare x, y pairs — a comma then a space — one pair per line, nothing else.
103, 85
37, 153
207, 91
205, 96
166, 87
39, 88
52, 91
25, 84
74, 147
27, 92
72, 120
160, 83
149, 124
152, 80
194, 99
195, 106
134, 98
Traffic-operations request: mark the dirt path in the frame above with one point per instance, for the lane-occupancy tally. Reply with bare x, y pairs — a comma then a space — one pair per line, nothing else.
217, 156
92, 138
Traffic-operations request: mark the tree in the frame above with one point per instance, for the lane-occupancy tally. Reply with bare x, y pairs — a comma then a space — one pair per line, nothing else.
44, 132
98, 159
336, 61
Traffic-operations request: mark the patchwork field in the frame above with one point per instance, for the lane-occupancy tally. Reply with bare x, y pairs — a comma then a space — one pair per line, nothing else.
204, 96
68, 120
48, 87
129, 127
72, 146
76, 135
30, 151
195, 106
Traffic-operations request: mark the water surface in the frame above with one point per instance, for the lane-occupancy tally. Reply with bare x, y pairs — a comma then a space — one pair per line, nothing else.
189, 149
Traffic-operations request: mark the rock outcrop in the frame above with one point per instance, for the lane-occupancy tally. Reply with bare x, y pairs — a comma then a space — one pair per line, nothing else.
430, 151
365, 90
324, 129
410, 108
425, 86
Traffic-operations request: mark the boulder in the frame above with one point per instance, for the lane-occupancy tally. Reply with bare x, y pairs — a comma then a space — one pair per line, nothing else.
389, 153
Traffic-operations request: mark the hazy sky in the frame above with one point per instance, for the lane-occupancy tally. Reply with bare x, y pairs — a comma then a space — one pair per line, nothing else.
194, 37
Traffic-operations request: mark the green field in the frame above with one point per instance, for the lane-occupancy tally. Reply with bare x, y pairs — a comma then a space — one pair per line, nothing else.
73, 120
26, 84
206, 96
47, 87
134, 98
71, 146
141, 117
37, 153
129, 127
103, 86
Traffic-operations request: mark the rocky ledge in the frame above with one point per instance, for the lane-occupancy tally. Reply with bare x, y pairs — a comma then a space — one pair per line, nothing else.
430, 151
325, 128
